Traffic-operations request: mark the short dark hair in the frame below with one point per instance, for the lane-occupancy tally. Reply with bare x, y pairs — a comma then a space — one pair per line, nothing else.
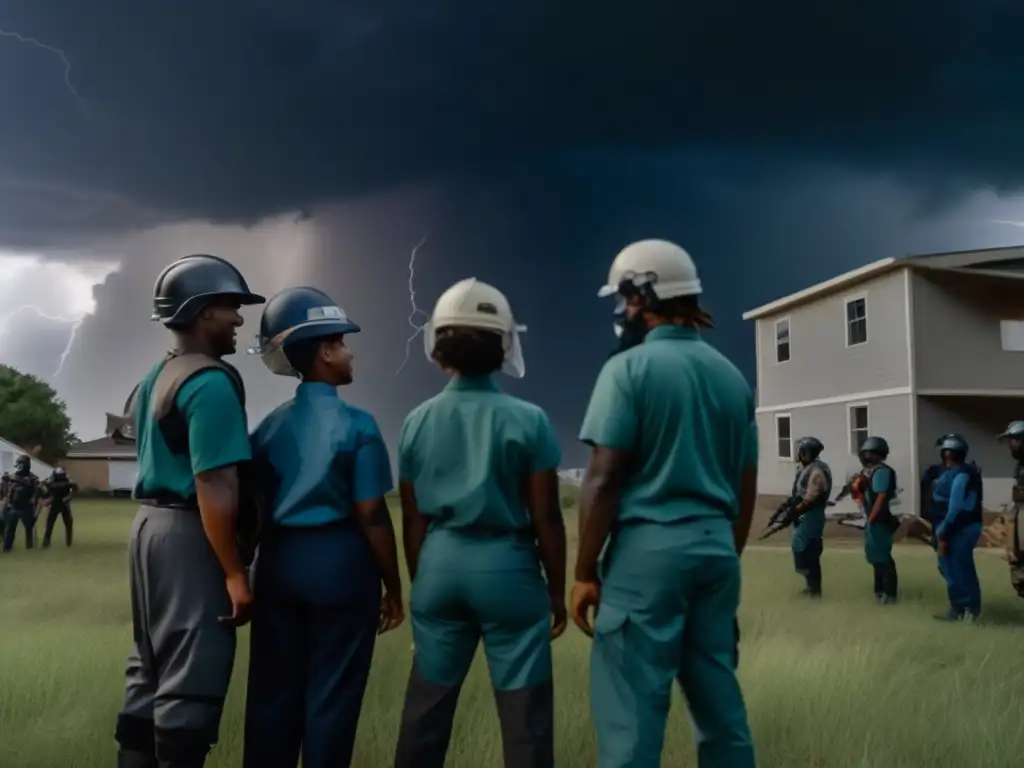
302, 354
469, 351
677, 306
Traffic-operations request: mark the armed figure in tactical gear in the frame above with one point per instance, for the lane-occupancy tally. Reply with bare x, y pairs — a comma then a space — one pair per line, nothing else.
1014, 438
189, 585
878, 491
20, 493
811, 488
58, 490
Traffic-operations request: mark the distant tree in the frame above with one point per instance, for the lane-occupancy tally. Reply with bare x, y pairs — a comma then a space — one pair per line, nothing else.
32, 416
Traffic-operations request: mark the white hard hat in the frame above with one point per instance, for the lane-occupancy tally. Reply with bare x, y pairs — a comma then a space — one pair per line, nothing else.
665, 267
471, 303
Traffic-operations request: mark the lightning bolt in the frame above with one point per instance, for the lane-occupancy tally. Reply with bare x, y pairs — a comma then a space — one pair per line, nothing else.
25, 40
416, 311
6, 318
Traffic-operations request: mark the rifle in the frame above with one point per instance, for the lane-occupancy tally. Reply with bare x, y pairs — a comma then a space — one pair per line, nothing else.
783, 517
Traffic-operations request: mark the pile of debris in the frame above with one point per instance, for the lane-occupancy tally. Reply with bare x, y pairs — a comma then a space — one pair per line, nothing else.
993, 534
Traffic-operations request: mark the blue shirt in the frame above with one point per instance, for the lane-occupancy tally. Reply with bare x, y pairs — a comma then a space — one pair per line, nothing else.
327, 456
686, 415
951, 489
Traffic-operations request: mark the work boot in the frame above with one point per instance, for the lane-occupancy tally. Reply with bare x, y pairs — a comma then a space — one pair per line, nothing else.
953, 614
46, 542
810, 592
127, 758
886, 599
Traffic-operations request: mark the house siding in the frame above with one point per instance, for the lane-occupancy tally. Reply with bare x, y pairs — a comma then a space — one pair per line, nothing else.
90, 474
889, 417
956, 318
821, 365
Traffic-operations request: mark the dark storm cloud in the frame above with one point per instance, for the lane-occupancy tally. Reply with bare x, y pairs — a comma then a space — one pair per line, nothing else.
240, 109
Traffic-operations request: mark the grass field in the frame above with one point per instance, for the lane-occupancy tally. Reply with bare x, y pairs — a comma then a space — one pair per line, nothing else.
836, 684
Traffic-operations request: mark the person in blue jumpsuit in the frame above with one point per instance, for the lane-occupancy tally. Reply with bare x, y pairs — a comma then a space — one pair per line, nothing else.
670, 489
930, 511
481, 517
879, 490
326, 548
813, 486
958, 494
189, 586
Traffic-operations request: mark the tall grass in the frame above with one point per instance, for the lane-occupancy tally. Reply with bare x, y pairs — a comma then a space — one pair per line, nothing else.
838, 684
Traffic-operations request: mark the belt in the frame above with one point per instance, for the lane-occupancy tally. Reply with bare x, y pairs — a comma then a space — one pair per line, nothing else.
171, 502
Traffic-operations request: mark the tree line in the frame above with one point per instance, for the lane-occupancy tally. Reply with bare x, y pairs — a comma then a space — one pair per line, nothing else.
33, 417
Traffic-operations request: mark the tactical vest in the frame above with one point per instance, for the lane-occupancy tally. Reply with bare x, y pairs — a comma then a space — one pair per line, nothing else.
803, 478
967, 516
60, 489
886, 516
176, 371
22, 489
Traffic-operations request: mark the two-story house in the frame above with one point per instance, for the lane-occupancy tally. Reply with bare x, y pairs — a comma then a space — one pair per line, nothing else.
908, 349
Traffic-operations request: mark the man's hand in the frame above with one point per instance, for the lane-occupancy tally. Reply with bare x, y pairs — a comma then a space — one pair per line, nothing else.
943, 547
241, 600
559, 616
392, 614
586, 595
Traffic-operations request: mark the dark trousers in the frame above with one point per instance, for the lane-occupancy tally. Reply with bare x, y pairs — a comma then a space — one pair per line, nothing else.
808, 564
27, 518
886, 578
317, 607
63, 511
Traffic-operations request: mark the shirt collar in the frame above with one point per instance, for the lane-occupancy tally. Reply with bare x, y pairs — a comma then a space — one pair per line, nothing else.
473, 384
672, 331
309, 390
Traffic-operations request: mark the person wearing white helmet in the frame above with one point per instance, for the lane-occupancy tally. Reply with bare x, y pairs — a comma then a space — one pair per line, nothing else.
1013, 435
670, 488
481, 514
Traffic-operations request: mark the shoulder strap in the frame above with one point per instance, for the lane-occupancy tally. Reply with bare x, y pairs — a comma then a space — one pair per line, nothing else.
177, 370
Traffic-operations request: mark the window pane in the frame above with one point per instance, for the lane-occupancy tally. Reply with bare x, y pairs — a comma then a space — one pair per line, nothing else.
782, 424
859, 416
855, 310
782, 332
785, 448
782, 352
857, 332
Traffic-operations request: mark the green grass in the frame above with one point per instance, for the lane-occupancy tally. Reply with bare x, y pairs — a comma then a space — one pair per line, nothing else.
840, 683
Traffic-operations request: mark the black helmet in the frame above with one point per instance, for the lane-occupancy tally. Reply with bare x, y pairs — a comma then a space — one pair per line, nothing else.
23, 463
811, 445
1014, 431
876, 445
951, 441
297, 314
190, 283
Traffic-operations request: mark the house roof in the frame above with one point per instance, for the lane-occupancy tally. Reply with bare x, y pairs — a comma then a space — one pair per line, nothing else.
36, 463
103, 448
995, 262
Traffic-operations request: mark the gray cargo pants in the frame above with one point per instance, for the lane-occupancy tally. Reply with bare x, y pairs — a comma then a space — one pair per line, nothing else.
180, 663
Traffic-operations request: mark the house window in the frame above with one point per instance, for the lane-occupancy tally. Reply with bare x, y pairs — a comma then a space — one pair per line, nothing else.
856, 322
782, 340
858, 427
784, 436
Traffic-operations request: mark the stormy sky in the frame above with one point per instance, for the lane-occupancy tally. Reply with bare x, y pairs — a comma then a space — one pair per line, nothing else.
317, 141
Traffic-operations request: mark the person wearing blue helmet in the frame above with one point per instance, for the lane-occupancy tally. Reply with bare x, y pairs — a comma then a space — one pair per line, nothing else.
1013, 435
878, 493
481, 516
328, 545
188, 580
958, 492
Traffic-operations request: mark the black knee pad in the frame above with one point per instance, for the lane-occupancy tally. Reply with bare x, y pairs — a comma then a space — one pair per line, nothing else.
183, 745
134, 733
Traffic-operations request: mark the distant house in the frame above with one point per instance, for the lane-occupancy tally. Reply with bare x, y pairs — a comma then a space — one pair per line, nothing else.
107, 464
907, 348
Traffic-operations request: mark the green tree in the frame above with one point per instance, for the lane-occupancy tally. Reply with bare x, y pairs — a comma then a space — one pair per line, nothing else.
32, 416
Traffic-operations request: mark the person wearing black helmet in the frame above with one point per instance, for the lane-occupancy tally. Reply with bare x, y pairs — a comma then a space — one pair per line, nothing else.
59, 489
1014, 438
20, 499
328, 546
958, 491
879, 490
189, 585
813, 485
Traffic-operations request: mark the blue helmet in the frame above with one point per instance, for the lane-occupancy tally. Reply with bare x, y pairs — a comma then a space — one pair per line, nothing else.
297, 314
951, 441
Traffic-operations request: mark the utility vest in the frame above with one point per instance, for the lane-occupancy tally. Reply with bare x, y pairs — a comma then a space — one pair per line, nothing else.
813, 519
1013, 539
885, 516
22, 490
59, 490
178, 369
968, 516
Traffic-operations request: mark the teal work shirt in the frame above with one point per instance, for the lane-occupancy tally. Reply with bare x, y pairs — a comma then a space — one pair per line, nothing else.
686, 415
327, 456
217, 435
467, 452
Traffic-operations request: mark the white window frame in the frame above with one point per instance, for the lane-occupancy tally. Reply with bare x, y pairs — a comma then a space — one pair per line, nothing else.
789, 419
850, 428
789, 339
848, 324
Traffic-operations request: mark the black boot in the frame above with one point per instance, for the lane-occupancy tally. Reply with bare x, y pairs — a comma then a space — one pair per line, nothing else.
131, 759
181, 748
